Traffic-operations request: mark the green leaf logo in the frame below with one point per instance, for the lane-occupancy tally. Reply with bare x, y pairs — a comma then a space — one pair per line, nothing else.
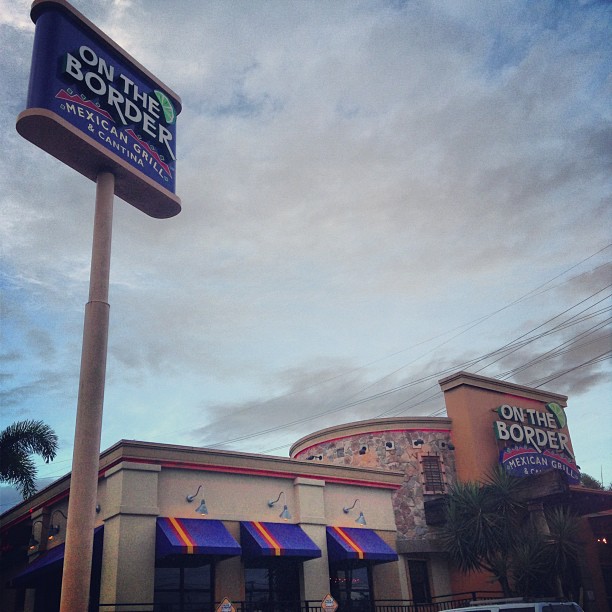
167, 106
558, 413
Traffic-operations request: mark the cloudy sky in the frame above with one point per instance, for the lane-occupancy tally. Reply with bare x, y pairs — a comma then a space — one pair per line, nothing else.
375, 194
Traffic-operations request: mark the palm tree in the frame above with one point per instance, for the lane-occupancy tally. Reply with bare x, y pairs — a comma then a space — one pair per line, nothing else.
488, 527
562, 549
17, 442
483, 523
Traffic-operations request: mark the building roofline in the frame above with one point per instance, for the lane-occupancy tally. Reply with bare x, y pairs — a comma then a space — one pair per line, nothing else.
370, 426
500, 386
172, 456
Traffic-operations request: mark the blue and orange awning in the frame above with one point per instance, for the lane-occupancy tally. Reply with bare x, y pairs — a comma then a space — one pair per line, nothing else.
181, 536
355, 544
276, 540
53, 560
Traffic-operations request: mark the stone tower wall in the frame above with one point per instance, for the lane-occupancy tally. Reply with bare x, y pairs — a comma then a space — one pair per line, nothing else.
393, 450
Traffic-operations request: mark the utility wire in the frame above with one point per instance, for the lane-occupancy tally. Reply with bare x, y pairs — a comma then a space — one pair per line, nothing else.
516, 344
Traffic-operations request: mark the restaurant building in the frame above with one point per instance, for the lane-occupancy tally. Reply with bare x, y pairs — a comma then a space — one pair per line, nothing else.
353, 513
180, 525
489, 422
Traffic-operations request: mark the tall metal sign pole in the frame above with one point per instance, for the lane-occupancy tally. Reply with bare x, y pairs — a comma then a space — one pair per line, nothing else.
88, 429
93, 107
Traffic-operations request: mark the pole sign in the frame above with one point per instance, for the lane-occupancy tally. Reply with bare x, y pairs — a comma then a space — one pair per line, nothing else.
534, 441
93, 107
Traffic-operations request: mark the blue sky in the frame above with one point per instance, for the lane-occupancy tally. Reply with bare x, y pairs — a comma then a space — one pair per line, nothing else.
375, 194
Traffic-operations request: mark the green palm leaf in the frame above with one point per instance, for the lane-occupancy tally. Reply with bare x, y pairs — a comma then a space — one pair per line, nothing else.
17, 443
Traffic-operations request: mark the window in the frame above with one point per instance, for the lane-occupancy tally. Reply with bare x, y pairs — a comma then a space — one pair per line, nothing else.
272, 586
432, 474
419, 581
183, 588
350, 587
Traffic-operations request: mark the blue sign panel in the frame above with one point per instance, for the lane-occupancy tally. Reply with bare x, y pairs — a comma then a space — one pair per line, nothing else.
96, 109
521, 461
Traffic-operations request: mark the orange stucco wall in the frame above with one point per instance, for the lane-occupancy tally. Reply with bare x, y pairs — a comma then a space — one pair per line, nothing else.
471, 403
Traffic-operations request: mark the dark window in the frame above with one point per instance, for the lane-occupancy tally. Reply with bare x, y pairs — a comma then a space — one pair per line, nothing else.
272, 586
433, 478
419, 581
350, 587
48, 588
183, 588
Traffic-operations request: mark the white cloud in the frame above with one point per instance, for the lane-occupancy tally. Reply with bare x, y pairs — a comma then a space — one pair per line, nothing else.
357, 178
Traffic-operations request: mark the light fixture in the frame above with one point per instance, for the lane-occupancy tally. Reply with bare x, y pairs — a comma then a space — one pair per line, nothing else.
201, 509
360, 520
190, 498
54, 529
33, 543
285, 514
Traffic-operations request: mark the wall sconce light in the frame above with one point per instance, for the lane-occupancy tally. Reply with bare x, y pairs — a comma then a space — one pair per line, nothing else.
54, 529
418, 442
363, 450
201, 509
285, 515
33, 543
360, 520
98, 508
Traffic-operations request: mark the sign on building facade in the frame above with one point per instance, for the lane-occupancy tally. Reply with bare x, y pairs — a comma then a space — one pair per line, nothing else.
535, 441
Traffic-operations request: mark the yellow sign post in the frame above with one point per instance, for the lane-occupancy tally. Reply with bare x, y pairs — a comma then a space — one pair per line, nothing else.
226, 606
329, 603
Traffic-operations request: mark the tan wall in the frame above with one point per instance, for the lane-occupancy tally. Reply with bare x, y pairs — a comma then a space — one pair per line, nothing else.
226, 571
313, 503
142, 481
128, 561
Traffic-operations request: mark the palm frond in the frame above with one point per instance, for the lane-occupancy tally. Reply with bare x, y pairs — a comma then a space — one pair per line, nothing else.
17, 442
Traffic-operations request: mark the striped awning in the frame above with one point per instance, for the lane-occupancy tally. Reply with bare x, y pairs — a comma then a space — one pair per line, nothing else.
53, 560
276, 540
357, 544
181, 536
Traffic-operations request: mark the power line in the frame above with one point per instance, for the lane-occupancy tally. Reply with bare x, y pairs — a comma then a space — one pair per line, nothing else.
575, 319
